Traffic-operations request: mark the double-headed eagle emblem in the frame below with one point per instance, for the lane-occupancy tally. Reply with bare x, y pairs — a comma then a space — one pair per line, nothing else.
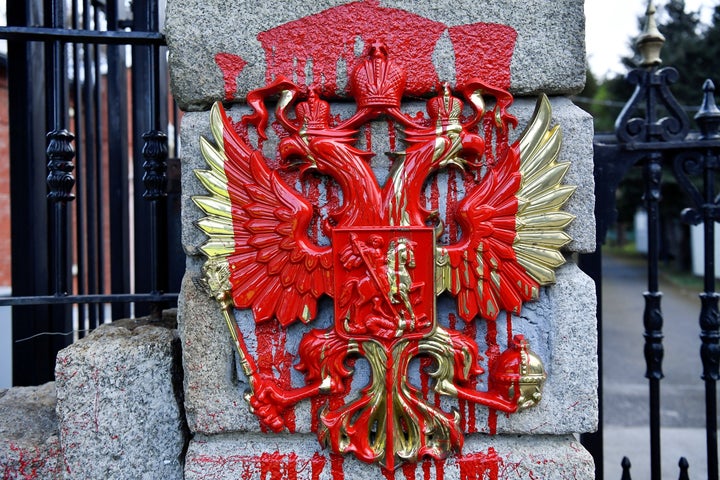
387, 258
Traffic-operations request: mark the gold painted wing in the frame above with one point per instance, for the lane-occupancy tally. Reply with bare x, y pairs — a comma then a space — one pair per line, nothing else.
513, 227
257, 225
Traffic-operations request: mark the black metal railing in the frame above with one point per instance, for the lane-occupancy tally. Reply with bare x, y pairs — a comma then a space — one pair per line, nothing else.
91, 210
653, 133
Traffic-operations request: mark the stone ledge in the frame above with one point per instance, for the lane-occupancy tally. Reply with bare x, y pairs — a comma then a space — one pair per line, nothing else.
258, 456
29, 444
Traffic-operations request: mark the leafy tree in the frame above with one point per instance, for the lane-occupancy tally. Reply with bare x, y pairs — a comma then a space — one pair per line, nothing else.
693, 49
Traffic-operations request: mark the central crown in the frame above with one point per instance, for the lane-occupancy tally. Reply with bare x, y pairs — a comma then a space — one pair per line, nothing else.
378, 81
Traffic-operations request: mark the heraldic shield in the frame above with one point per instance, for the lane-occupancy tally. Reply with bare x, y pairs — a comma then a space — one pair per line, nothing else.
387, 257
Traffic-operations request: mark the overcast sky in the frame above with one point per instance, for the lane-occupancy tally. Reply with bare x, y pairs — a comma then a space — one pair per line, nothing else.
611, 24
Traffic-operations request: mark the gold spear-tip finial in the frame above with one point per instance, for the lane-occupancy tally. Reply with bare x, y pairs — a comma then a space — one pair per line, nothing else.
650, 42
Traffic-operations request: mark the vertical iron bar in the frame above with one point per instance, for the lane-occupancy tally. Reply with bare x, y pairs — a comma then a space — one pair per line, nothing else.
154, 155
710, 318
591, 264
118, 163
32, 360
652, 315
626, 465
95, 223
684, 466
81, 200
99, 231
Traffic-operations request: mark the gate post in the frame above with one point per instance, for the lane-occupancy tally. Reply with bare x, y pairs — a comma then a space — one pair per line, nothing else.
350, 81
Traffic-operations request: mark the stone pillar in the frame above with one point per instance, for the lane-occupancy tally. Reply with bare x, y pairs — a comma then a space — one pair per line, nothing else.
119, 403
221, 50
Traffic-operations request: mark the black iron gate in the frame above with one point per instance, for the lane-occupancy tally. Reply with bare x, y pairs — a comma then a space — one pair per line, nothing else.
95, 221
653, 134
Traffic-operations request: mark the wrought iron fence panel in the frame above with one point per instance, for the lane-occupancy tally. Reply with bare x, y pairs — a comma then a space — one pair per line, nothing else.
653, 133
91, 209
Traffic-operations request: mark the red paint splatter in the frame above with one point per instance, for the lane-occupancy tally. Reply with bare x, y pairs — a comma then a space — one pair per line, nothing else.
294, 50
480, 466
267, 466
274, 361
483, 50
31, 464
231, 66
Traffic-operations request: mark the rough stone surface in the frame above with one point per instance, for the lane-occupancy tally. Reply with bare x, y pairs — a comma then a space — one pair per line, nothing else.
118, 402
29, 443
445, 41
258, 456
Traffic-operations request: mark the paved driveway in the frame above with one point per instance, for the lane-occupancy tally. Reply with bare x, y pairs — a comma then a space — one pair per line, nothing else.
625, 390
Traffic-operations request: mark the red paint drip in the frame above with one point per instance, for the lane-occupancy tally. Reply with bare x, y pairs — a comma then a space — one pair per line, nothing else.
480, 466
426, 469
492, 353
267, 466
337, 471
509, 327
409, 470
273, 357
392, 134
318, 465
489, 130
439, 469
463, 405
318, 43
231, 66
470, 331
451, 205
492, 421
317, 403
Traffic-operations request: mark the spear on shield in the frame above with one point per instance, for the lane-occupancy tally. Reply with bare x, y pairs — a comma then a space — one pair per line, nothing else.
381, 281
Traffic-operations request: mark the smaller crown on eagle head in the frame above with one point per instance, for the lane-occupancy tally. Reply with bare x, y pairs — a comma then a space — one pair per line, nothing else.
445, 109
314, 113
378, 81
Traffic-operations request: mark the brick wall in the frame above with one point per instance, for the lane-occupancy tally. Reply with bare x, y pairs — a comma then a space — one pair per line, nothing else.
5, 248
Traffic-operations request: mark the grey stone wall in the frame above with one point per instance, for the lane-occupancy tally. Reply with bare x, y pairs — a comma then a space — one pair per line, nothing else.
549, 51
547, 56
253, 457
